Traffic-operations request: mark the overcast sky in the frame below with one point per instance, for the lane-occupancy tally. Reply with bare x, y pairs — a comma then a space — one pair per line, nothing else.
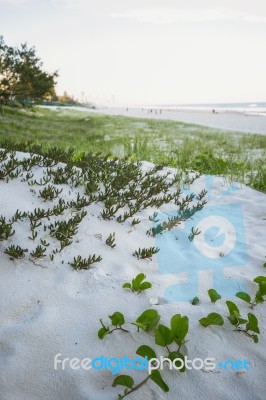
142, 51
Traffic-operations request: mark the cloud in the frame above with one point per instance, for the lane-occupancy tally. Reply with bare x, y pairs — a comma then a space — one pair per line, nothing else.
165, 15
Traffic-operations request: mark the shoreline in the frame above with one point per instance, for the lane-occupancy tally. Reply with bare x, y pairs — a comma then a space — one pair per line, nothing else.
229, 120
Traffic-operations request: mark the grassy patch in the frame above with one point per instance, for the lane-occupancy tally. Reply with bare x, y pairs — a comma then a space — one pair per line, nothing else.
237, 156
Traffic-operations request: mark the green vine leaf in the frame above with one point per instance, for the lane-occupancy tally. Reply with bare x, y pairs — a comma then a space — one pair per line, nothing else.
103, 331
146, 351
124, 380
244, 296
127, 285
117, 318
163, 336
212, 319
179, 327
147, 320
155, 376
214, 296
174, 355
252, 324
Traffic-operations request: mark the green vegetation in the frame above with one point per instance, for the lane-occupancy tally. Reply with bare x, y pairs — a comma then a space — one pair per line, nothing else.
138, 284
127, 381
194, 232
110, 241
212, 319
22, 78
15, 251
5, 229
163, 336
117, 320
38, 252
121, 189
145, 253
259, 296
214, 296
173, 338
239, 157
148, 320
195, 301
84, 263
251, 329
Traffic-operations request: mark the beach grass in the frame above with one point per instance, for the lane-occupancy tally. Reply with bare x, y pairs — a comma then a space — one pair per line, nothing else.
237, 156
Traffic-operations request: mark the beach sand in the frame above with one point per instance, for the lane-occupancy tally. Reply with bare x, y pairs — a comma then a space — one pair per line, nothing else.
49, 308
242, 121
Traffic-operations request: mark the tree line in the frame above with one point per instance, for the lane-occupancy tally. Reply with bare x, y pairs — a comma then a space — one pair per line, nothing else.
22, 77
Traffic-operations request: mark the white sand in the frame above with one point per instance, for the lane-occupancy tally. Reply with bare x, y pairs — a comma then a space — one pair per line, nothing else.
231, 121
50, 310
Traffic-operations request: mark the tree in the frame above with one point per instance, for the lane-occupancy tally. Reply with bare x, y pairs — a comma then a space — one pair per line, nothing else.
22, 77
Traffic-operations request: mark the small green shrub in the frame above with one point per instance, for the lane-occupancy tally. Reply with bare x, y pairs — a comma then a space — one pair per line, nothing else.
84, 263
145, 252
137, 284
15, 251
